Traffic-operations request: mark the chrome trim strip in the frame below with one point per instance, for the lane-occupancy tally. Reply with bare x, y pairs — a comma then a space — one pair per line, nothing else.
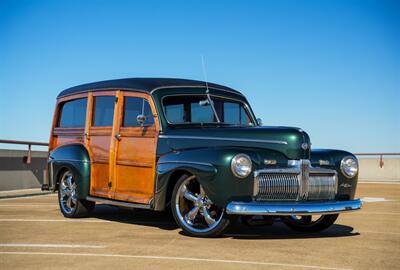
220, 139
186, 162
118, 203
286, 209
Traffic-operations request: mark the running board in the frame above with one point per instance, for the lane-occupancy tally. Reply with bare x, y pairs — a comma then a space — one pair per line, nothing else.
119, 203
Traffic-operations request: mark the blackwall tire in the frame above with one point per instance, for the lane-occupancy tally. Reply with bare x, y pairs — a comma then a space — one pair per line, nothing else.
305, 225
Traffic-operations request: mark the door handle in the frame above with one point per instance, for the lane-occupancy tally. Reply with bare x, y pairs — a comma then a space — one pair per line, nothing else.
118, 136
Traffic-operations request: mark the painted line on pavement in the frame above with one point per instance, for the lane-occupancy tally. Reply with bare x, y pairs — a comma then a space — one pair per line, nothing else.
133, 222
29, 197
188, 259
28, 205
51, 245
374, 199
376, 182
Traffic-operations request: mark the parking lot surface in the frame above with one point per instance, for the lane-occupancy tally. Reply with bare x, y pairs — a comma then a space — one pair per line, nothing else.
34, 235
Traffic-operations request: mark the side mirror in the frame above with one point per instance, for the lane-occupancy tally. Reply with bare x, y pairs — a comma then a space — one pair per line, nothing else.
259, 122
141, 119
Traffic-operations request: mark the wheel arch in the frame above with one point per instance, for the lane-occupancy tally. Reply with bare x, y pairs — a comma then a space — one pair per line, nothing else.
73, 157
169, 173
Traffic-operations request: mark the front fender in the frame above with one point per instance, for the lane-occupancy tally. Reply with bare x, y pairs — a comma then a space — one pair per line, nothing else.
331, 159
212, 168
75, 158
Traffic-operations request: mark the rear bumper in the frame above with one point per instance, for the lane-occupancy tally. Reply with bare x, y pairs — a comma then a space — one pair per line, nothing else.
292, 208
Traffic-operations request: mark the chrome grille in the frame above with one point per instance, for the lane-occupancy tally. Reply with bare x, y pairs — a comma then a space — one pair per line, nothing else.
295, 184
278, 186
322, 187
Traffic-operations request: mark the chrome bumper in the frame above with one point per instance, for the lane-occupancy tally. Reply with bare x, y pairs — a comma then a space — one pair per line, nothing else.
292, 208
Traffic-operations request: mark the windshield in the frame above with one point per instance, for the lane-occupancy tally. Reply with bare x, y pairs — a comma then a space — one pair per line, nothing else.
198, 110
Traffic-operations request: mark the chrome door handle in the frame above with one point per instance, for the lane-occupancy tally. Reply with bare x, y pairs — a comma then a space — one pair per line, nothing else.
118, 136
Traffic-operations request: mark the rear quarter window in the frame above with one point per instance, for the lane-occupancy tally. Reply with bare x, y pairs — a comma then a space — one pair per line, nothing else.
73, 114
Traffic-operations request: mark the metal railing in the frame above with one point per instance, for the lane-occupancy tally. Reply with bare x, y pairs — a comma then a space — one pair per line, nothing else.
381, 155
29, 143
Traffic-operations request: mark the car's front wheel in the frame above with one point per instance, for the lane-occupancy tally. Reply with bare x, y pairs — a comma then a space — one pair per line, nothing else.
194, 212
310, 223
70, 205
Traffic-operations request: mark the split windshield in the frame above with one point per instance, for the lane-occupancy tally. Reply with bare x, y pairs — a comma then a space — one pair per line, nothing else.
199, 110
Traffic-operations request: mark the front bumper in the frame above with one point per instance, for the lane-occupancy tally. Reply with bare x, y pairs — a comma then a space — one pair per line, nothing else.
292, 208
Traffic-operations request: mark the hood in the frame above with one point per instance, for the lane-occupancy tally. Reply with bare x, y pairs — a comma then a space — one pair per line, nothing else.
287, 140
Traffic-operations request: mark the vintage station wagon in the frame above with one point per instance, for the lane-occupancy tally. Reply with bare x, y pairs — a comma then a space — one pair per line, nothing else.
196, 149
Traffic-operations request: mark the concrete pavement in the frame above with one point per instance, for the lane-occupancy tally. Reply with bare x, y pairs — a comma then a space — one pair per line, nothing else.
34, 235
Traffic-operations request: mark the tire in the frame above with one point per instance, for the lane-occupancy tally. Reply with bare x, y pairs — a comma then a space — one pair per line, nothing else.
194, 212
70, 205
306, 224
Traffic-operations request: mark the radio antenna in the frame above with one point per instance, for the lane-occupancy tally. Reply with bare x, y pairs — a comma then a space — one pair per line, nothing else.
207, 91
204, 72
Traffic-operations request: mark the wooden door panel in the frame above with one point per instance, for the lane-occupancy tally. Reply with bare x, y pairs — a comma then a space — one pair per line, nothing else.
135, 158
101, 176
133, 184
135, 163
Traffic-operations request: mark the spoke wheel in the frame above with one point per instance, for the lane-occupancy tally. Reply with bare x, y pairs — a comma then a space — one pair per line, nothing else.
70, 205
194, 212
67, 196
313, 223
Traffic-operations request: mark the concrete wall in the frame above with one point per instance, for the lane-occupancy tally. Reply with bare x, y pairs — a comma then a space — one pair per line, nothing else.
371, 171
16, 174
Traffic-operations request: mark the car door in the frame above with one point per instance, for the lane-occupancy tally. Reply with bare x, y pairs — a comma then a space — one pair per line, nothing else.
99, 141
135, 149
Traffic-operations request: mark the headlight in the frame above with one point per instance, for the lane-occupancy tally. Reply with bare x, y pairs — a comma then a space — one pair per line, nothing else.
349, 166
241, 165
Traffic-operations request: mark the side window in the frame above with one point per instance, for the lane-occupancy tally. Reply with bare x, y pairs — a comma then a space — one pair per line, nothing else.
103, 113
175, 113
235, 114
73, 114
133, 106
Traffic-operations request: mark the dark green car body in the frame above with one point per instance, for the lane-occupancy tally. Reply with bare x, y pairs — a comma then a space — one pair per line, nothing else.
206, 151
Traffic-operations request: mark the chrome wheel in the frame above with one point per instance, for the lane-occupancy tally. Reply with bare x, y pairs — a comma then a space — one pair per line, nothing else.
67, 189
309, 223
306, 220
195, 211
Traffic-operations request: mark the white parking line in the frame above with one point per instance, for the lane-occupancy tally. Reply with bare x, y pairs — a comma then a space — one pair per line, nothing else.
374, 199
174, 259
28, 205
376, 182
51, 246
29, 197
52, 220
82, 221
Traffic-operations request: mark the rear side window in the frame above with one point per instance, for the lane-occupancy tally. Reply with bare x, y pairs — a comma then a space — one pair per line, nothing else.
73, 114
103, 113
133, 106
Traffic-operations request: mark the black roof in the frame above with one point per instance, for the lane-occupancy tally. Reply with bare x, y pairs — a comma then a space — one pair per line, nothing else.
140, 84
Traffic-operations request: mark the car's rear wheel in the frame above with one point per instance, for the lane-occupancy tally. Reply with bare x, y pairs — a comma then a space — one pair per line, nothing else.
70, 205
309, 223
194, 212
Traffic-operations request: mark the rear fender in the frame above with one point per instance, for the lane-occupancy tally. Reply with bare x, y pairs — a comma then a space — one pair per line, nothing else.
73, 157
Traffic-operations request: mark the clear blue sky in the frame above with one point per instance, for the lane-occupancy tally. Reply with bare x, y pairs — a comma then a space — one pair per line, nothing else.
330, 67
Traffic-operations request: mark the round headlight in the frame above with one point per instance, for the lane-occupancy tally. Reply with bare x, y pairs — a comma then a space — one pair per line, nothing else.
241, 165
349, 166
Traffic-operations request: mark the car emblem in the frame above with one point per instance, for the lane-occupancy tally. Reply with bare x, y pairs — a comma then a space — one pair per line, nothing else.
269, 161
